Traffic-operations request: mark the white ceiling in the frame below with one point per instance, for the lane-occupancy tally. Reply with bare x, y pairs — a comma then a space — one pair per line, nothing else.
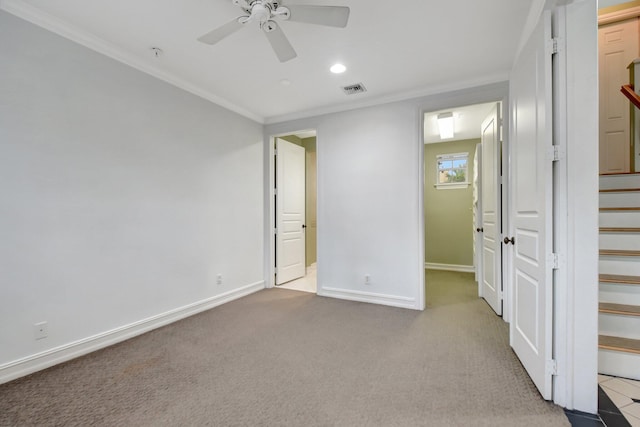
396, 49
467, 122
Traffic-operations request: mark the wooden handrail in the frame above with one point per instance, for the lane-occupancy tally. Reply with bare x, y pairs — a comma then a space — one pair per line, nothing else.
627, 90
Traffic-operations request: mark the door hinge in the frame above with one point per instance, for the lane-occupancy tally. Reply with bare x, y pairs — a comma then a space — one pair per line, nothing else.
275, 231
275, 152
555, 153
555, 261
554, 45
500, 295
275, 191
552, 367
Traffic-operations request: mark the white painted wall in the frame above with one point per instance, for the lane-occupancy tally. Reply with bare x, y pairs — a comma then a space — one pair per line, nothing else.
370, 178
122, 198
579, 201
607, 3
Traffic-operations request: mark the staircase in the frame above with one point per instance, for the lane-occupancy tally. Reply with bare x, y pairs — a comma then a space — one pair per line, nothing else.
619, 308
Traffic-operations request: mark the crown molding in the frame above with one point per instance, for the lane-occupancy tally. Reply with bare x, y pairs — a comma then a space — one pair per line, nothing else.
380, 100
47, 21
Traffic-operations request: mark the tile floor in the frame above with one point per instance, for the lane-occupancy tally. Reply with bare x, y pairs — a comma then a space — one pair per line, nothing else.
625, 394
307, 283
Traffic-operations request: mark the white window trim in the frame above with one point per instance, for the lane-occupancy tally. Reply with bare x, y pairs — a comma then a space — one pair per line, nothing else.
452, 185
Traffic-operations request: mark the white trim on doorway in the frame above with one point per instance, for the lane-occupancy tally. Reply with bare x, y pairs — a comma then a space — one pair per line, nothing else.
270, 216
449, 267
576, 215
452, 101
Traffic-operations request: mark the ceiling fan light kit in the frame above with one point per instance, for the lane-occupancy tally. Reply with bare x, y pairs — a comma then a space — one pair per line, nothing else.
266, 11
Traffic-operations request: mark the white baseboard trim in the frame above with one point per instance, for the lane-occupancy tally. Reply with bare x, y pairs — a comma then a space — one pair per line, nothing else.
373, 298
28, 365
450, 267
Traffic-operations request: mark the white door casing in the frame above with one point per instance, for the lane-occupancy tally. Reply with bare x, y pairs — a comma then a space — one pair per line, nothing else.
531, 194
491, 289
290, 211
477, 216
618, 46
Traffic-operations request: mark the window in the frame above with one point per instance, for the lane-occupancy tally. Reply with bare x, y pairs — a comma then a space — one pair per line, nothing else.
452, 170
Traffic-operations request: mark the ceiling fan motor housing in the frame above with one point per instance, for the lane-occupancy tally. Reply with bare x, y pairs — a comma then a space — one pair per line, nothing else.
262, 11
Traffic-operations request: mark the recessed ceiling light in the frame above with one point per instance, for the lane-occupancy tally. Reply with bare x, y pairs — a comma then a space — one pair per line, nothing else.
338, 69
285, 82
445, 125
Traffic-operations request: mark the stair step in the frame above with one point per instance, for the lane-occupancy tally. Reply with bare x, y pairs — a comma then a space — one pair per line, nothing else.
617, 278
630, 219
619, 190
619, 364
620, 229
620, 265
619, 293
620, 208
619, 241
617, 181
619, 287
619, 198
626, 345
618, 252
621, 309
620, 174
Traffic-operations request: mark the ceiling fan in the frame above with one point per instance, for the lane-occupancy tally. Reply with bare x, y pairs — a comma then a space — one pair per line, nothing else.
266, 11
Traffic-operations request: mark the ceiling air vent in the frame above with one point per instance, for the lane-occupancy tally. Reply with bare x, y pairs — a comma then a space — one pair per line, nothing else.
353, 89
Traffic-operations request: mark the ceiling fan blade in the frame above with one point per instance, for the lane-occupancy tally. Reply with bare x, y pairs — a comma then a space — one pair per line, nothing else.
219, 33
279, 42
332, 16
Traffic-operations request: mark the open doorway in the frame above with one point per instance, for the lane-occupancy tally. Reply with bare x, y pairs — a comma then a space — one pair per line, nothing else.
619, 196
463, 234
295, 200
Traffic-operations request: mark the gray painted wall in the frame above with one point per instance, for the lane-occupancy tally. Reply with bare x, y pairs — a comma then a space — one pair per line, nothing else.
122, 197
370, 216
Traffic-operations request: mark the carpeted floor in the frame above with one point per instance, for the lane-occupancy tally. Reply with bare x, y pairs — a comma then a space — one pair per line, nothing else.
288, 358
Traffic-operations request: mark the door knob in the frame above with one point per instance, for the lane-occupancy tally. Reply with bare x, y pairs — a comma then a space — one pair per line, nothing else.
509, 240
479, 230
304, 225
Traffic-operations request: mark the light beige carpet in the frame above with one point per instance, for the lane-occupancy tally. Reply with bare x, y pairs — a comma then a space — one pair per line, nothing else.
287, 358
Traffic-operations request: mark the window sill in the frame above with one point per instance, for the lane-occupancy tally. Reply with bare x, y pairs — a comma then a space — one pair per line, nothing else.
456, 186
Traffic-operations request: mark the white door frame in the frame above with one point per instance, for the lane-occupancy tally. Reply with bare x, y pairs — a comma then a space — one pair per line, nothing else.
270, 215
576, 205
576, 215
454, 100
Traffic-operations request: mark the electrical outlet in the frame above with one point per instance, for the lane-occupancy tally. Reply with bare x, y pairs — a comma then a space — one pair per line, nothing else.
219, 279
40, 330
367, 279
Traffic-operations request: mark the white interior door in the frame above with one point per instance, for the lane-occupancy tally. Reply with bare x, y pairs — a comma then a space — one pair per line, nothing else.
531, 195
491, 289
290, 211
617, 48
